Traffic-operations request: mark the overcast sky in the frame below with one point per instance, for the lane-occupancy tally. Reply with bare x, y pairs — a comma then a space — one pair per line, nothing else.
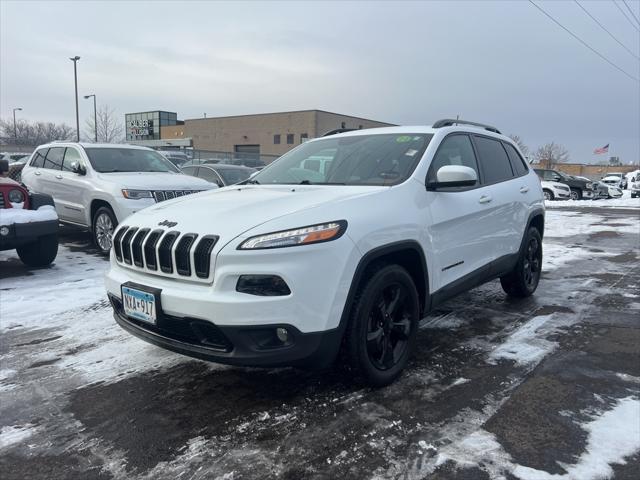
503, 63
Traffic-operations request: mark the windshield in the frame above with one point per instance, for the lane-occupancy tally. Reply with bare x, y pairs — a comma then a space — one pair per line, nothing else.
110, 160
384, 159
234, 175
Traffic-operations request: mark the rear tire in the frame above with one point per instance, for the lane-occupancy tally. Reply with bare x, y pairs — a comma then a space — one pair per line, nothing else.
576, 194
523, 280
41, 252
103, 225
548, 194
382, 327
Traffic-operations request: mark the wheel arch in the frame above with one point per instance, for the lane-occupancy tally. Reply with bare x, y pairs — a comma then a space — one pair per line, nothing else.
409, 255
96, 203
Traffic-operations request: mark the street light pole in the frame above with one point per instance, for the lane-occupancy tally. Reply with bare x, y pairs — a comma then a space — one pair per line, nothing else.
75, 78
95, 115
15, 131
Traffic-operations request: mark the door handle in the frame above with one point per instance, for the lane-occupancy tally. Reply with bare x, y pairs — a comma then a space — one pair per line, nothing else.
485, 199
59, 177
524, 189
37, 173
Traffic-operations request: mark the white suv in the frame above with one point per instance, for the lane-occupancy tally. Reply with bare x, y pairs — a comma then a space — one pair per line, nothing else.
297, 265
98, 185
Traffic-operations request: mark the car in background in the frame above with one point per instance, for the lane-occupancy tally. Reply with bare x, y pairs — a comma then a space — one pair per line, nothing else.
174, 156
220, 174
96, 186
610, 190
16, 163
634, 186
555, 190
28, 222
579, 188
617, 180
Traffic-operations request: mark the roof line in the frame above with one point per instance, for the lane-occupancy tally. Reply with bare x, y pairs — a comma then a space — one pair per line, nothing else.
291, 111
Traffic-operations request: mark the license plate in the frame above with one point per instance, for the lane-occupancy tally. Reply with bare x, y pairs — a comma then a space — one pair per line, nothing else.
139, 305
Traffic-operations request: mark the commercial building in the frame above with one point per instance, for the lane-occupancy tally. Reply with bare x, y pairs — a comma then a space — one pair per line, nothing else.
265, 135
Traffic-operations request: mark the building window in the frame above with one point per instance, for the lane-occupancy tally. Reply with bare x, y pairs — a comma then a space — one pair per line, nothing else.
276, 139
304, 137
290, 138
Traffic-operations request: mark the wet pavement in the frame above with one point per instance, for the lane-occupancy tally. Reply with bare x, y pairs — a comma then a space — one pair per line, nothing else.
498, 388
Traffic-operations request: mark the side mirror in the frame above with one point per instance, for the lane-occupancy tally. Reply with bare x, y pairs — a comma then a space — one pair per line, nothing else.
4, 166
76, 167
453, 176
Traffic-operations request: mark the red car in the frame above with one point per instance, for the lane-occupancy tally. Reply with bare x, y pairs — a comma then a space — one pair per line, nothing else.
28, 222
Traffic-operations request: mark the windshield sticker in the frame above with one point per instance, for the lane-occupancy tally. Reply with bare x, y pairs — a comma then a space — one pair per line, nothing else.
411, 152
403, 139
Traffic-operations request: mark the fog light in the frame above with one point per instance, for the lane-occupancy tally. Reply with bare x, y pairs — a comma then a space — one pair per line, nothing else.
4, 231
282, 334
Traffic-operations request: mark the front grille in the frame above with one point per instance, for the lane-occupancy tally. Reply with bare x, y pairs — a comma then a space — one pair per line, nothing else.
162, 195
165, 253
186, 330
1, 200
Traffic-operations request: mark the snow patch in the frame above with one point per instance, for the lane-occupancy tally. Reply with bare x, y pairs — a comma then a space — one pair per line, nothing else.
10, 216
12, 435
444, 322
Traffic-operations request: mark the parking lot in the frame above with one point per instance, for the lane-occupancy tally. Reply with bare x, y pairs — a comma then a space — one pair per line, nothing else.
547, 387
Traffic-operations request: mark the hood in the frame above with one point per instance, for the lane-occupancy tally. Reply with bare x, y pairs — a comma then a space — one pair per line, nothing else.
230, 211
156, 181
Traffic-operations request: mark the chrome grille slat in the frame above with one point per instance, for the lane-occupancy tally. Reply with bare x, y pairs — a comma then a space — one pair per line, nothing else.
165, 251
136, 247
162, 195
126, 244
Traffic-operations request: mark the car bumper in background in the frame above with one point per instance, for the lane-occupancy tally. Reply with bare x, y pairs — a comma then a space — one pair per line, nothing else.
23, 233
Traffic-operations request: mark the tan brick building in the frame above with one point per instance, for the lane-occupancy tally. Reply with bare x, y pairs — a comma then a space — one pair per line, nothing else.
593, 172
266, 133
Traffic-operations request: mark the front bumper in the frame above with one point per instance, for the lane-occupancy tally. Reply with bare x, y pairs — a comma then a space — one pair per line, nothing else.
230, 345
24, 233
561, 194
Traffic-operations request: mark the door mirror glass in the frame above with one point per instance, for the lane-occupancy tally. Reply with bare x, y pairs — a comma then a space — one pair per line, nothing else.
453, 176
76, 167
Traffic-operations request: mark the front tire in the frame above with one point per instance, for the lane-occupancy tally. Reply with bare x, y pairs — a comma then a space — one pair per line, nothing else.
576, 194
383, 324
41, 252
103, 225
523, 280
548, 195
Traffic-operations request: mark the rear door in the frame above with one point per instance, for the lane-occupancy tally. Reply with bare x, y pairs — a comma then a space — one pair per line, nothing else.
51, 174
32, 173
461, 228
503, 199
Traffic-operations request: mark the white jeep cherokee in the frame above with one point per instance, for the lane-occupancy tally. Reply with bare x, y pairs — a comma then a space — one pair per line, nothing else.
298, 264
98, 185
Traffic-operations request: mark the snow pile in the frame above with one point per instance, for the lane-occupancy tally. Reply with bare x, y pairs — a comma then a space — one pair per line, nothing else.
10, 216
11, 435
527, 345
613, 436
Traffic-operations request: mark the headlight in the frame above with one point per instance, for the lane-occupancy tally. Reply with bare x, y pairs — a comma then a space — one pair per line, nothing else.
16, 196
136, 194
300, 236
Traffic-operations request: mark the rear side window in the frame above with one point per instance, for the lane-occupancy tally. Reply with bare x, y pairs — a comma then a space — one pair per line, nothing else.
193, 171
70, 155
516, 160
454, 150
54, 157
493, 160
38, 158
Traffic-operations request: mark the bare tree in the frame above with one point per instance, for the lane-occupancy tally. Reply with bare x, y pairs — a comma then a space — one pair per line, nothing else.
520, 143
110, 129
36, 133
551, 154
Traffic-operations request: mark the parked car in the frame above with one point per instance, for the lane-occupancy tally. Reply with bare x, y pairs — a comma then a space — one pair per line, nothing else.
96, 186
615, 180
611, 190
295, 265
200, 161
220, 174
16, 164
28, 222
13, 156
634, 186
555, 190
174, 156
579, 188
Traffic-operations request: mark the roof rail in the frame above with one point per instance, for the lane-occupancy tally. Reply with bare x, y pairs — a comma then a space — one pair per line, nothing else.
337, 130
448, 122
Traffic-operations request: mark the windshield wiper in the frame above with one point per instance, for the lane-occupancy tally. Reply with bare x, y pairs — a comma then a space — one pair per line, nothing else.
250, 182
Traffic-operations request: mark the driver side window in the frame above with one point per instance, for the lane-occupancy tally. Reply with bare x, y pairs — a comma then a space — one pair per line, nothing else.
454, 150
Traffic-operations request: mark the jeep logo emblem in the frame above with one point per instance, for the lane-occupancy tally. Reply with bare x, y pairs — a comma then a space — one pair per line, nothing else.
167, 223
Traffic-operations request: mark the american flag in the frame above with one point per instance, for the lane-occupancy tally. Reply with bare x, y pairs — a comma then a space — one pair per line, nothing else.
600, 151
